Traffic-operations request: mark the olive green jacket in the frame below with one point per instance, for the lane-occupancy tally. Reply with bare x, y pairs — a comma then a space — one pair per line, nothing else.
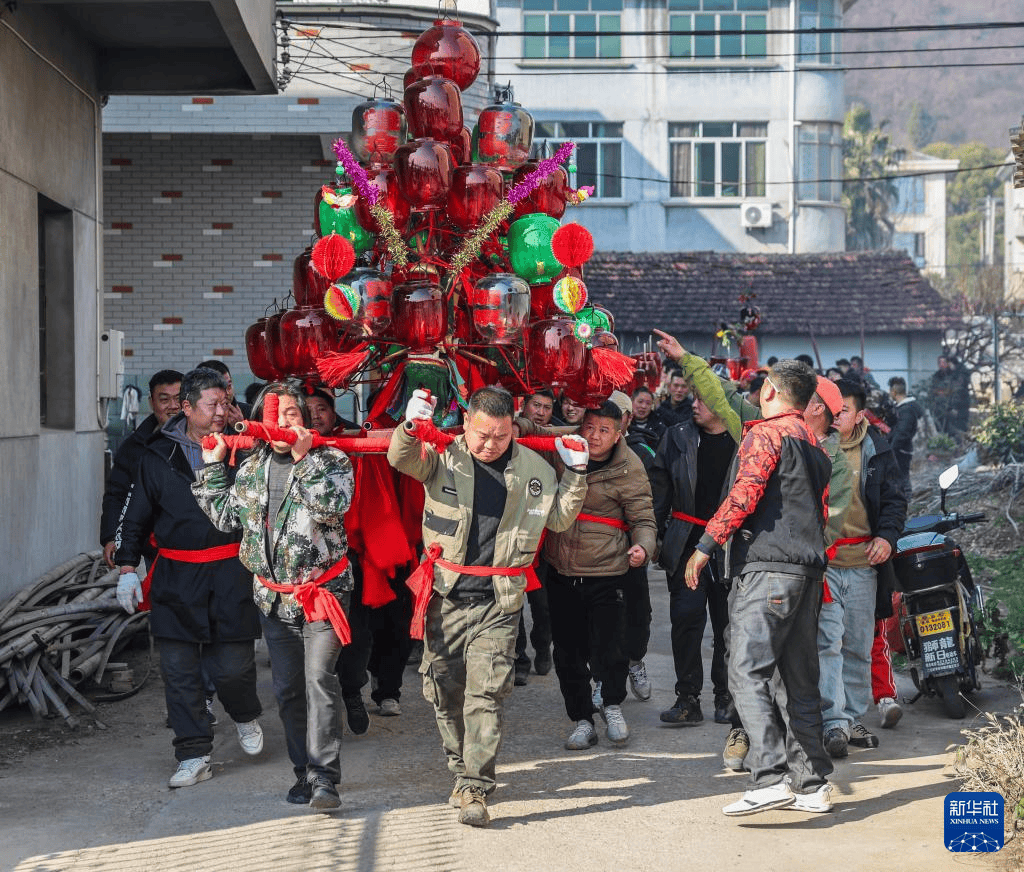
536, 499
734, 411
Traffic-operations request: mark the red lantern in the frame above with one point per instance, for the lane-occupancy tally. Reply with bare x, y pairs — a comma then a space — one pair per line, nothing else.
549, 197
256, 350
503, 136
410, 76
606, 339
588, 388
277, 354
542, 304
306, 334
475, 191
447, 49
374, 291
424, 172
460, 325
385, 180
308, 287
378, 128
434, 108
501, 307
556, 356
462, 146
648, 370
420, 316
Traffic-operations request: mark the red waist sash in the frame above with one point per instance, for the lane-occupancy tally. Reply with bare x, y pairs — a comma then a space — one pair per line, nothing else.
830, 552
318, 604
611, 522
682, 516
202, 555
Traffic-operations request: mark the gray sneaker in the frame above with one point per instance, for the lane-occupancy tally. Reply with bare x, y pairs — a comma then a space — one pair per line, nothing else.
389, 708
618, 730
250, 737
191, 771
582, 737
736, 748
639, 683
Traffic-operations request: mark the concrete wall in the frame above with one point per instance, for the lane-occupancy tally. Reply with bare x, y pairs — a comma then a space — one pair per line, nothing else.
50, 480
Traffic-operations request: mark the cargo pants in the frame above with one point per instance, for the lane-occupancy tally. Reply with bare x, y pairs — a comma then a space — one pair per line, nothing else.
467, 668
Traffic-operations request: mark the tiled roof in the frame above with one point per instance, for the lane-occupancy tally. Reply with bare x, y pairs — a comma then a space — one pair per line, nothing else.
829, 293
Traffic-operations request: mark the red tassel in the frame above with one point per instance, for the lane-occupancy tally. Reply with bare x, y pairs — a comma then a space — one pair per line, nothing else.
332, 257
572, 245
337, 367
616, 368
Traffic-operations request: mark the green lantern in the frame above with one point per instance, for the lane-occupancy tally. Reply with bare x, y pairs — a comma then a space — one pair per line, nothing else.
529, 248
336, 214
596, 319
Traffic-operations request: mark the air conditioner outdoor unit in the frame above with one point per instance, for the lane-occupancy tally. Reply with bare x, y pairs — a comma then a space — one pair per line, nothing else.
756, 214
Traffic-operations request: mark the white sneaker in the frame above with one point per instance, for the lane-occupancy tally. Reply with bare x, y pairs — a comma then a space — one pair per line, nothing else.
191, 772
250, 737
889, 712
762, 799
639, 683
819, 801
582, 737
389, 708
596, 698
617, 729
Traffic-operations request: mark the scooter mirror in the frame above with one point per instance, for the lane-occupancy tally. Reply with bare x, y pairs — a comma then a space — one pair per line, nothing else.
948, 476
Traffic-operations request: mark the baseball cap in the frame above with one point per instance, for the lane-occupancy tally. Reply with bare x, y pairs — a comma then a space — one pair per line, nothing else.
829, 393
621, 400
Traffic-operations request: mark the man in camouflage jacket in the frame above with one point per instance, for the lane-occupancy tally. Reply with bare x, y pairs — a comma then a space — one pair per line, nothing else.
290, 501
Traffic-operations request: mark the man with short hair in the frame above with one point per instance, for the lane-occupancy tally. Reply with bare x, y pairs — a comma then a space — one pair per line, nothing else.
237, 411
164, 387
202, 613
863, 373
645, 422
901, 437
678, 405
487, 502
776, 593
572, 412
289, 501
540, 407
860, 571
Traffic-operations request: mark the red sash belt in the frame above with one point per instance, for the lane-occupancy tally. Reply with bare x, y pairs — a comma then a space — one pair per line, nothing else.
611, 522
318, 604
421, 582
203, 555
830, 552
690, 519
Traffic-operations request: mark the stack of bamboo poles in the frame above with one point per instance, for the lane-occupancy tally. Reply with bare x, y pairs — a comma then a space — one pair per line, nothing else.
59, 632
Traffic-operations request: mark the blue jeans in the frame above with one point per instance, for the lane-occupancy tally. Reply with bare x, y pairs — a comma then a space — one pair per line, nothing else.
846, 631
303, 656
773, 620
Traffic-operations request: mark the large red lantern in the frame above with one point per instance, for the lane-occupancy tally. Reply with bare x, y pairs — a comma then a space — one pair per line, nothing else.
447, 49
648, 370
420, 316
378, 128
542, 303
424, 172
308, 286
256, 351
385, 180
434, 109
306, 334
556, 356
501, 308
476, 190
462, 146
549, 197
374, 291
503, 134
277, 354
588, 388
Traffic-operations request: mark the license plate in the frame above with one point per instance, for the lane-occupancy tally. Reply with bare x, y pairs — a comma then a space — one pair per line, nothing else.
935, 622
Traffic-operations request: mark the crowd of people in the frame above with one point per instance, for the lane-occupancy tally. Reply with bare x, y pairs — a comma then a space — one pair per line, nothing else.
772, 504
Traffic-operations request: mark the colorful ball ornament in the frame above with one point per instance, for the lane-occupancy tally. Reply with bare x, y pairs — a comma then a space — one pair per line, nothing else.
583, 331
569, 294
572, 244
342, 302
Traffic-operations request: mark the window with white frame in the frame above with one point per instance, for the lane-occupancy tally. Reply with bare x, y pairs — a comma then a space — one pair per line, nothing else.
551, 27
718, 28
717, 158
820, 161
598, 155
819, 48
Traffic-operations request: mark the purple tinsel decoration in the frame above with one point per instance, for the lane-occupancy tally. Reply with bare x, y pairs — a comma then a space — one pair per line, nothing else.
361, 181
544, 169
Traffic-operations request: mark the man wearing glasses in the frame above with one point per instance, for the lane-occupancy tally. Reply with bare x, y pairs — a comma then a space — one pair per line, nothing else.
202, 612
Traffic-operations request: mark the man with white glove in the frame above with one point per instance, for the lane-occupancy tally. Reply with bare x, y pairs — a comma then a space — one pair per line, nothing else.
487, 503
129, 591
420, 406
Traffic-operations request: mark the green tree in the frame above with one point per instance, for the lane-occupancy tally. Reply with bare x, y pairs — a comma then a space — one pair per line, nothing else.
868, 153
920, 126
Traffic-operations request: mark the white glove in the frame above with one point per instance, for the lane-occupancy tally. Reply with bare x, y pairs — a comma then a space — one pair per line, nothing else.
129, 591
573, 451
421, 405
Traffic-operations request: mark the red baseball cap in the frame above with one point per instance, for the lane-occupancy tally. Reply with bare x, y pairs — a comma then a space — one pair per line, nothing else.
829, 393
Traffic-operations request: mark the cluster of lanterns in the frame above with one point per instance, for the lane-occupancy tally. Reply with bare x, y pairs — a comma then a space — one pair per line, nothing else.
452, 264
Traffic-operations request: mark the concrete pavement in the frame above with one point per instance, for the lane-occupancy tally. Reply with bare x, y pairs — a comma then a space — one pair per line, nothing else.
101, 802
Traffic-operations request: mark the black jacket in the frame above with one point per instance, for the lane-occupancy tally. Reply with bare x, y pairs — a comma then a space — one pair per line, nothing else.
122, 474
901, 437
192, 602
641, 449
650, 430
673, 485
670, 415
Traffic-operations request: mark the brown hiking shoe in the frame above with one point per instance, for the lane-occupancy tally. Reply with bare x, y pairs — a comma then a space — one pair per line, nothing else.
473, 812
